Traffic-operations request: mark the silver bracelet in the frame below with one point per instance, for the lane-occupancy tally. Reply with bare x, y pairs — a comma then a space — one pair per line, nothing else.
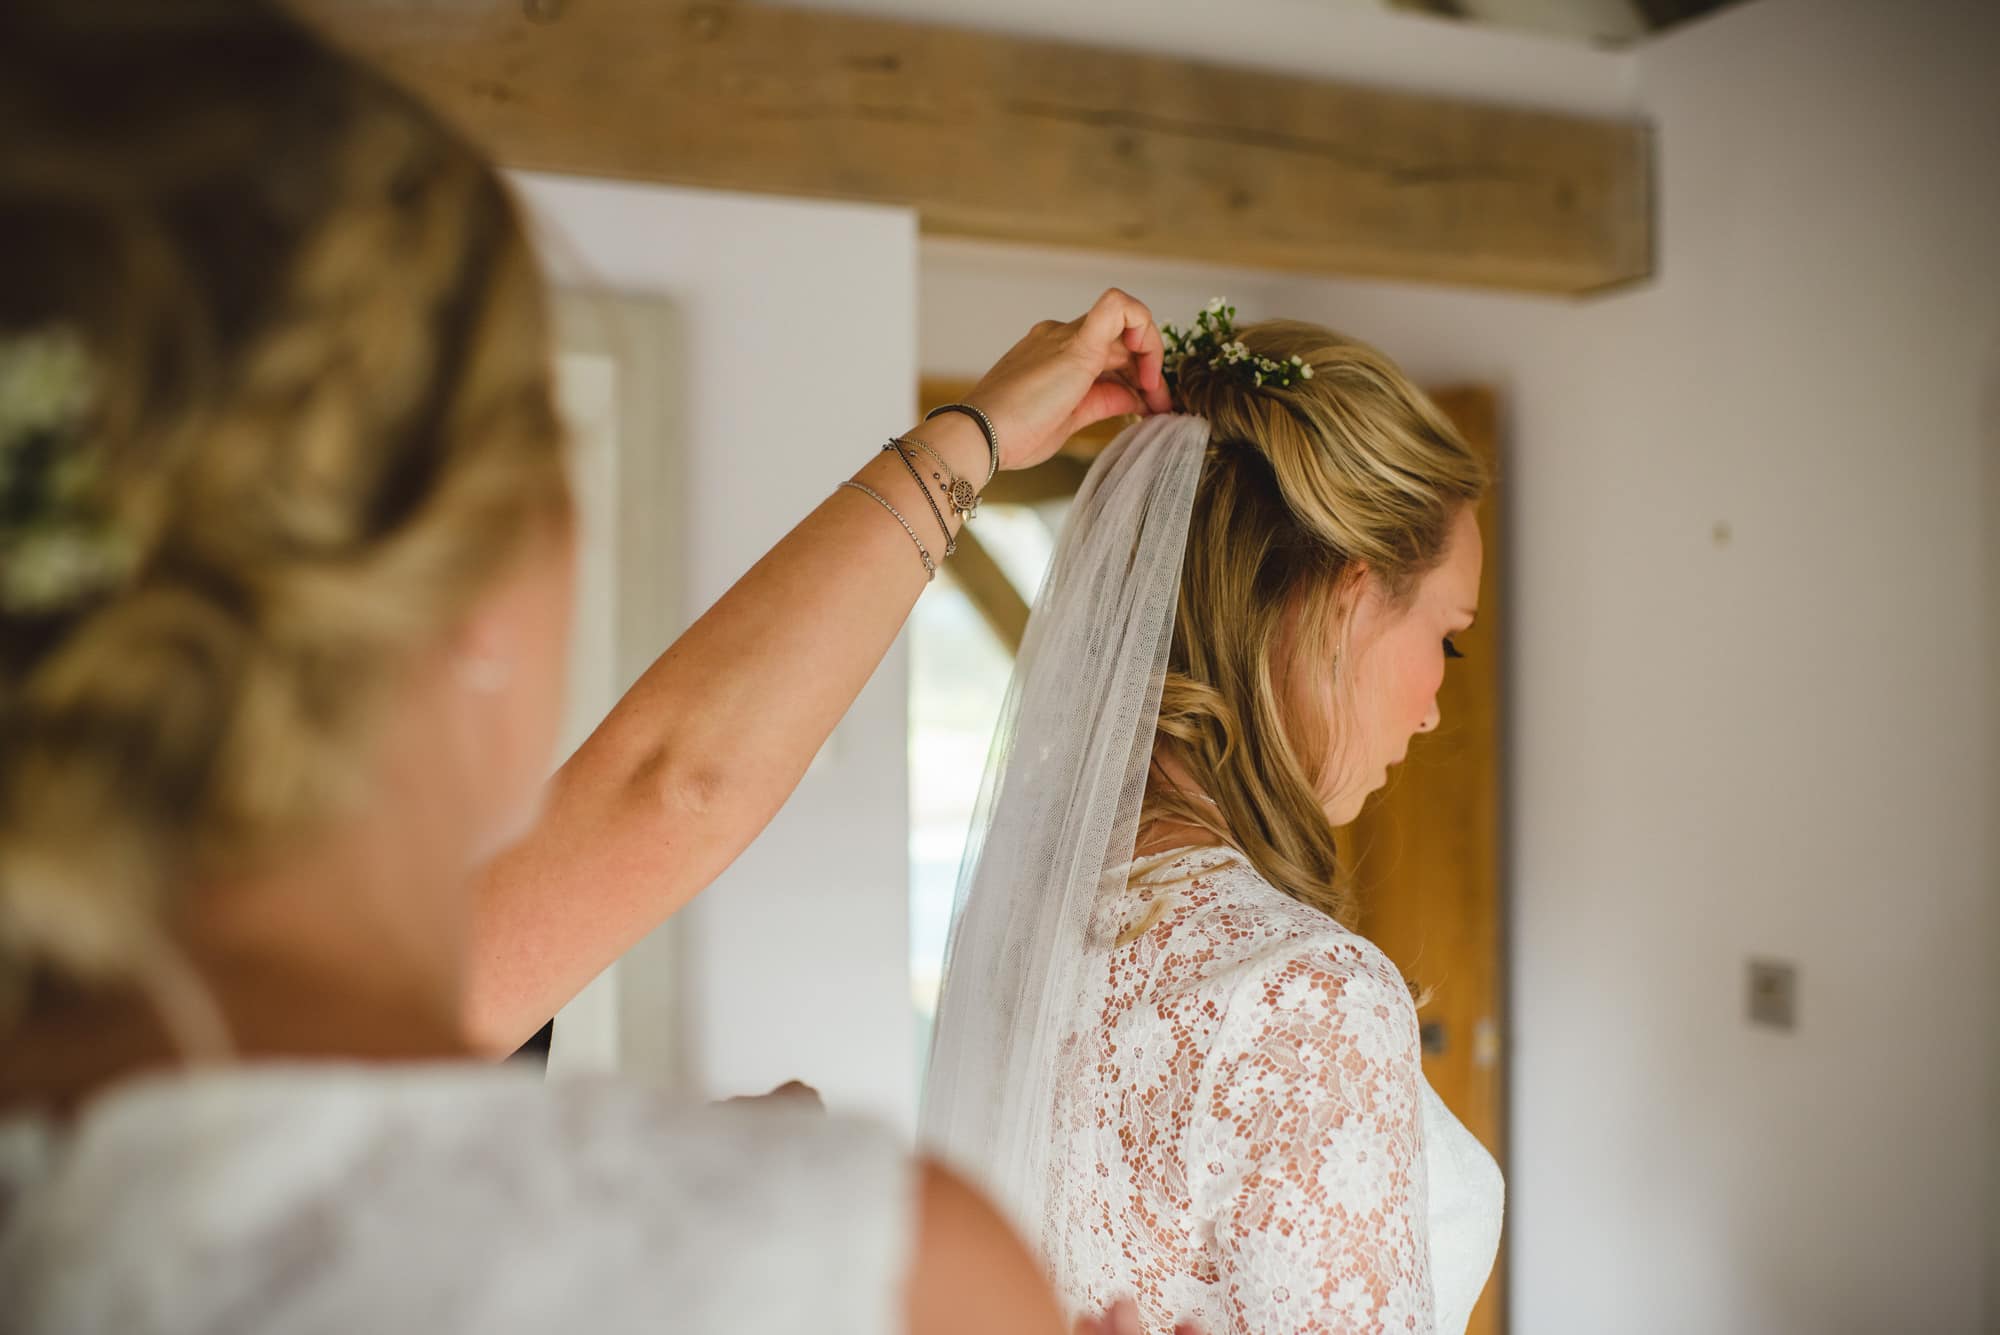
985, 425
950, 542
963, 495
923, 553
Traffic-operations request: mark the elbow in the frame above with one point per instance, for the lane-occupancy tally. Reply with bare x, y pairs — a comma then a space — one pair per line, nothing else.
682, 784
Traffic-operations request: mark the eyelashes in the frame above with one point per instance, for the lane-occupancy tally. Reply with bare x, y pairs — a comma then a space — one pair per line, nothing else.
1451, 650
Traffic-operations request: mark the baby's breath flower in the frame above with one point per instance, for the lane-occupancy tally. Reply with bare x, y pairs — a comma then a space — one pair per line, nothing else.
44, 384
1213, 340
56, 543
46, 571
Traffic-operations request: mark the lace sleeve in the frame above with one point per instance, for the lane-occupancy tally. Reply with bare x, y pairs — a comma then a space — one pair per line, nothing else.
1307, 1146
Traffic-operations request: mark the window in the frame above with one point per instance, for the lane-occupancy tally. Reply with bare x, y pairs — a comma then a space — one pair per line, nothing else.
959, 667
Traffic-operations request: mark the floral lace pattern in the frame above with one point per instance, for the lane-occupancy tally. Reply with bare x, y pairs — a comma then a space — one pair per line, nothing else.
1239, 1122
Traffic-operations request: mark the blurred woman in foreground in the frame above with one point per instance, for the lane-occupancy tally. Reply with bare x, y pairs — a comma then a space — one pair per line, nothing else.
285, 567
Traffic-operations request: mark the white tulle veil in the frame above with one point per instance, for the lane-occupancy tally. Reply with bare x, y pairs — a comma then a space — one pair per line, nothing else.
1058, 810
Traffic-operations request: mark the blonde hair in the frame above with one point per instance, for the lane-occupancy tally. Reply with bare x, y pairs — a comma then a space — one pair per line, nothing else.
322, 419
1303, 486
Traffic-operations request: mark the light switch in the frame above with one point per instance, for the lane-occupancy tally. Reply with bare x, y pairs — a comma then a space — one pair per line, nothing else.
1774, 994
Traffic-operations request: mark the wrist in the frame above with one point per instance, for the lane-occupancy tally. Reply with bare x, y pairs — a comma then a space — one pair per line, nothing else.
961, 442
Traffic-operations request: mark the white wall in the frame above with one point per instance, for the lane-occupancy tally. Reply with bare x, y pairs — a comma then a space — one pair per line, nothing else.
1778, 745
1782, 745
798, 319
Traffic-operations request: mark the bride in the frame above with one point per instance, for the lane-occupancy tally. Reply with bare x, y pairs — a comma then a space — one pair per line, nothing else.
1158, 1041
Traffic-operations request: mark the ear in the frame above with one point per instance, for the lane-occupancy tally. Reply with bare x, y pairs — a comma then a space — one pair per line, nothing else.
1358, 596
1354, 584
484, 645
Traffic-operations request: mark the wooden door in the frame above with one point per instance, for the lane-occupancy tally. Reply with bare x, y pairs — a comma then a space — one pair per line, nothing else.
1425, 859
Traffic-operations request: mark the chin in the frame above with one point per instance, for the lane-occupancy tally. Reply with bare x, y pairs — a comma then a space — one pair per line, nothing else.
1344, 811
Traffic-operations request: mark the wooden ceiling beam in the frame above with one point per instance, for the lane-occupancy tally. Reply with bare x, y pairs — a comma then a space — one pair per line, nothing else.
1054, 479
1002, 606
1018, 140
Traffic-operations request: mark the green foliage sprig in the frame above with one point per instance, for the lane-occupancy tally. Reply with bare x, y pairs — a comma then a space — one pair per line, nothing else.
1213, 340
57, 543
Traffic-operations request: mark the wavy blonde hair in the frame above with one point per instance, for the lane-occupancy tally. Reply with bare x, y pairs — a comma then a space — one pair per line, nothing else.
1303, 487
323, 419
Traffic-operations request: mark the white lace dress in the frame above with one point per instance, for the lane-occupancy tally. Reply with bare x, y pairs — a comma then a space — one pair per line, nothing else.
1245, 1135
444, 1199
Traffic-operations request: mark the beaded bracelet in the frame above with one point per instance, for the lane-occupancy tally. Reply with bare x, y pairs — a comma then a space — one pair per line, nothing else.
950, 542
985, 425
923, 553
963, 495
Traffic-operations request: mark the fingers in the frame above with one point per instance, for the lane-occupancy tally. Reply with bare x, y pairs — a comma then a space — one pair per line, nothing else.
1121, 1318
1119, 319
798, 1091
1151, 352
1109, 397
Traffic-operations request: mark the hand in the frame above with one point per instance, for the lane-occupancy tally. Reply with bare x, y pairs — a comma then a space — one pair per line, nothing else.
792, 1092
1063, 377
1122, 1318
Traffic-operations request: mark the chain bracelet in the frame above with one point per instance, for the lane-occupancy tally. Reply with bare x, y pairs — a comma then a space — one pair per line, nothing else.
950, 542
985, 425
963, 495
923, 553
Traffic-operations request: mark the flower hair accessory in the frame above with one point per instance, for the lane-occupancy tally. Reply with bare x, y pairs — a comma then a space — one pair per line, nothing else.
57, 545
1213, 340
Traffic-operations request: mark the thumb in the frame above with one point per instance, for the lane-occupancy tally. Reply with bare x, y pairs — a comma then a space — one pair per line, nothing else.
1108, 397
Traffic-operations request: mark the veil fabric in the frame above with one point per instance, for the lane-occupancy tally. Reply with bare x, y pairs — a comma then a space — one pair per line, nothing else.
1058, 813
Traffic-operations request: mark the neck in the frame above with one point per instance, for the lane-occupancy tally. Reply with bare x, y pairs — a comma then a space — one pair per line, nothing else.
349, 950
1165, 833
81, 1044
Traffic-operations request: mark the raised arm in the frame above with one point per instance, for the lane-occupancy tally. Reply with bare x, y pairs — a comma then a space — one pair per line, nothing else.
700, 754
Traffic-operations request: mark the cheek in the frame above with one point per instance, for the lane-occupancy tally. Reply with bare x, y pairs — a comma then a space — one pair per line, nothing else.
540, 696
542, 705
520, 747
1420, 672
551, 686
